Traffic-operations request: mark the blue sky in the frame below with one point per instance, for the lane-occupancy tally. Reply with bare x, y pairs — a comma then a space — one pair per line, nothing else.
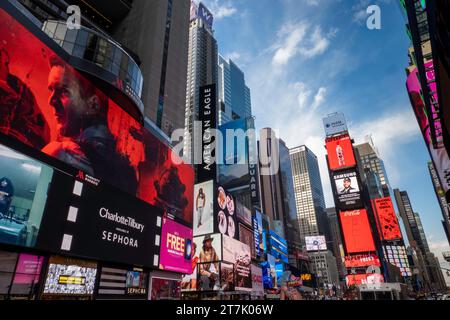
304, 59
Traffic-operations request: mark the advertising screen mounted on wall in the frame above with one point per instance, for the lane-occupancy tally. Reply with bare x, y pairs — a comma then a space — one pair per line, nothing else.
340, 152
93, 133
357, 232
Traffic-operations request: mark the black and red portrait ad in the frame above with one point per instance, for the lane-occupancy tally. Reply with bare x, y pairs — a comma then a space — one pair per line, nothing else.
49, 106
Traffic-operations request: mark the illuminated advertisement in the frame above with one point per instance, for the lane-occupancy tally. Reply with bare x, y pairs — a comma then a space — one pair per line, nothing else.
316, 243
257, 280
439, 155
176, 247
340, 152
396, 255
70, 277
227, 273
99, 222
357, 233
225, 217
243, 213
246, 236
207, 252
204, 208
269, 272
362, 260
118, 283
357, 279
23, 193
434, 118
86, 130
28, 269
348, 190
334, 124
261, 232
204, 14
387, 219
278, 247
256, 238
239, 254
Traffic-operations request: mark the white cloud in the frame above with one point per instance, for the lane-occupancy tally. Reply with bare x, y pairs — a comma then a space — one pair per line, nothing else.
298, 39
220, 9
233, 56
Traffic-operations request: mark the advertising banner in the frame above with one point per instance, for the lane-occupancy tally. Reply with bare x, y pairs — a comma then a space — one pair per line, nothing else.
239, 254
227, 279
122, 283
92, 133
246, 236
204, 208
256, 236
243, 213
176, 247
225, 217
28, 269
439, 155
261, 231
348, 191
387, 219
362, 260
207, 253
316, 243
205, 15
70, 277
356, 279
278, 247
335, 124
340, 152
23, 193
257, 281
100, 222
357, 232
396, 255
207, 170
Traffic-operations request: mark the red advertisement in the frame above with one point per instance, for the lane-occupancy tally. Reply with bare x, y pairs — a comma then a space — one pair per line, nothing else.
48, 105
356, 279
387, 220
340, 152
357, 233
362, 260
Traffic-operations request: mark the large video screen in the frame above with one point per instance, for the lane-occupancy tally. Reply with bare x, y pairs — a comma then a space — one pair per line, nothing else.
66, 277
225, 216
176, 247
23, 194
316, 243
362, 260
239, 254
388, 222
48, 105
357, 232
340, 152
369, 278
203, 208
348, 191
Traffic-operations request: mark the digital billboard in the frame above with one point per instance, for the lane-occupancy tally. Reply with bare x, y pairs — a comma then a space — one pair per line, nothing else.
23, 194
227, 276
396, 255
348, 191
439, 154
225, 215
278, 247
27, 274
340, 152
369, 278
387, 219
334, 124
362, 260
257, 280
316, 243
204, 208
239, 254
70, 277
243, 213
118, 283
85, 130
357, 232
246, 236
207, 254
99, 222
176, 247
204, 14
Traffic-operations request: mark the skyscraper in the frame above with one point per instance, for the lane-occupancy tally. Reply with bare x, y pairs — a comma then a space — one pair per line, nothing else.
201, 69
427, 264
440, 195
309, 198
370, 159
234, 95
336, 244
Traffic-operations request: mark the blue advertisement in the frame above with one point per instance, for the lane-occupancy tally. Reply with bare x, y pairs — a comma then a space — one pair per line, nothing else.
269, 272
256, 236
261, 232
204, 14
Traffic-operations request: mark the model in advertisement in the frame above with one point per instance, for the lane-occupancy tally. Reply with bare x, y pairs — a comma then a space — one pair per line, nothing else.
347, 187
20, 115
6, 196
189, 281
84, 139
200, 202
209, 265
340, 155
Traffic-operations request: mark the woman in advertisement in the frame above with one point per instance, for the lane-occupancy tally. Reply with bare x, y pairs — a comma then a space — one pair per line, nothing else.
200, 202
209, 265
